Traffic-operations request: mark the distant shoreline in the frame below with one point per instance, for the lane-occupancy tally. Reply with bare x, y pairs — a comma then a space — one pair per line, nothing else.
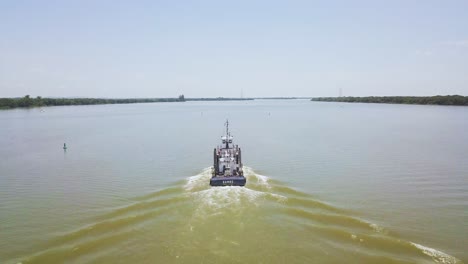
29, 102
219, 99
457, 100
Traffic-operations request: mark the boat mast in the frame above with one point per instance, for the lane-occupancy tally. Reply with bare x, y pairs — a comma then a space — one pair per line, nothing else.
227, 127
227, 133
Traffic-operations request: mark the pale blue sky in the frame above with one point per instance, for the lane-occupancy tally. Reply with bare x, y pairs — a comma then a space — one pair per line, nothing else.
218, 48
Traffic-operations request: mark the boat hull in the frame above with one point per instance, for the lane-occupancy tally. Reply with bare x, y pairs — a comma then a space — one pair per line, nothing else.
228, 181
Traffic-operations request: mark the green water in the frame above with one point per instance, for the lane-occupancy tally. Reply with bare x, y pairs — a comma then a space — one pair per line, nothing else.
326, 183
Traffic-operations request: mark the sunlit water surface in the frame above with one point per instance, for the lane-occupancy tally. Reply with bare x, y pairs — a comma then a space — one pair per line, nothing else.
326, 183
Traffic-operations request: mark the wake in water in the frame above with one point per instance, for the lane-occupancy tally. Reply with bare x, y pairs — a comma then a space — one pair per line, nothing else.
263, 222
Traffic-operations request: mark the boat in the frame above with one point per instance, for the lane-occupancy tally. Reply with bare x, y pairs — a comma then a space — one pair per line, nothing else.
227, 167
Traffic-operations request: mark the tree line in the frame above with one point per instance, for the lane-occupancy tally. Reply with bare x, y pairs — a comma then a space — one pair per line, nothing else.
421, 100
27, 101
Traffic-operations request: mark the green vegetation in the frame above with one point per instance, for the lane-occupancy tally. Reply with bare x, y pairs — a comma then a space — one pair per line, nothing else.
422, 100
27, 101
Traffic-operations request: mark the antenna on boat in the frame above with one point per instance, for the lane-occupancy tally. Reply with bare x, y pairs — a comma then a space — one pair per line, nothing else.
227, 127
227, 133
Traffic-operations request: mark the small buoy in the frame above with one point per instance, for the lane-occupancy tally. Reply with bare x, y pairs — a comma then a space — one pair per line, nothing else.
64, 146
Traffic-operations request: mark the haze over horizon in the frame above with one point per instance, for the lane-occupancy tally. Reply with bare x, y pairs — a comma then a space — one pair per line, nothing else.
118, 49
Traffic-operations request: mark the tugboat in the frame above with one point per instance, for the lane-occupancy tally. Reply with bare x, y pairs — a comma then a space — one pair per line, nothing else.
227, 168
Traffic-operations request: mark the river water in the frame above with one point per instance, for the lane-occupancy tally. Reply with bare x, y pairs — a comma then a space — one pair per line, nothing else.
326, 183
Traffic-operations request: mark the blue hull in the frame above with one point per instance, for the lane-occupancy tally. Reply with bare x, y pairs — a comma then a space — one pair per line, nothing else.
227, 181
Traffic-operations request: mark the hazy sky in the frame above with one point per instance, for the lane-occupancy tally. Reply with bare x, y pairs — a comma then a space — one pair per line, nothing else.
152, 48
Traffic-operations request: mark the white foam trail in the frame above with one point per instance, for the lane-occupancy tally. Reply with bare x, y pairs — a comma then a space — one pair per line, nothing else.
261, 179
198, 181
234, 194
436, 255
202, 179
216, 200
377, 228
210, 199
